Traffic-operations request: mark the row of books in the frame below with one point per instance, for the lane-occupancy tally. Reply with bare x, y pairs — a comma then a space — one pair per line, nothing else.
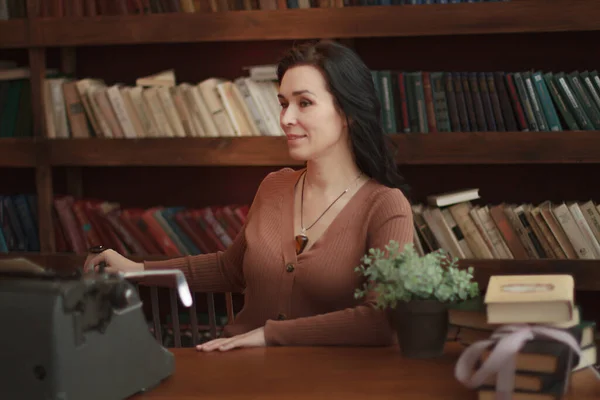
412, 102
157, 106
91, 8
543, 366
13, 9
19, 223
567, 230
412, 2
463, 229
169, 231
82, 223
16, 116
422, 101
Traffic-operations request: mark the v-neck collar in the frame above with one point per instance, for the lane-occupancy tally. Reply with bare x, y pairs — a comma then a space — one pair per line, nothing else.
287, 217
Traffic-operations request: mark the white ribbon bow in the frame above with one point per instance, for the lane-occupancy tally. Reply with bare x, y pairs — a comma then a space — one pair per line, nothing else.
508, 340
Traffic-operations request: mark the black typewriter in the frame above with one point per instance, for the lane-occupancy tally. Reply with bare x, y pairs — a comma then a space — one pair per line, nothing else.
78, 336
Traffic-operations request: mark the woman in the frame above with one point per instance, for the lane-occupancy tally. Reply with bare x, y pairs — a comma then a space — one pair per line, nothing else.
307, 230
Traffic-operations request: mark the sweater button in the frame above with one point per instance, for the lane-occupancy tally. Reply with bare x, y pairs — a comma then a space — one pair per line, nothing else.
281, 317
289, 268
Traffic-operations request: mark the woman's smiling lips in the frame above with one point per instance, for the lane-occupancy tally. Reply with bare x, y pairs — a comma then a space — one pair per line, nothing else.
291, 137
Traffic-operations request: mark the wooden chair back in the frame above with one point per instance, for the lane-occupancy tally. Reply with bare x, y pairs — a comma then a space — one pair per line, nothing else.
174, 328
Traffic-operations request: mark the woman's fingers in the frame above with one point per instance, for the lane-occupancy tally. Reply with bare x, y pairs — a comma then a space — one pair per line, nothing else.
254, 338
111, 270
109, 257
212, 344
92, 263
232, 344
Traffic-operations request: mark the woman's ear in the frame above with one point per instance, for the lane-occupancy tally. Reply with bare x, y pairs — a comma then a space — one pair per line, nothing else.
347, 121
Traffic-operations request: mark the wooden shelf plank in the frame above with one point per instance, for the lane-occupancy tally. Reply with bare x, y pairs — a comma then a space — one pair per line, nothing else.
374, 21
425, 149
585, 272
246, 151
13, 33
567, 147
17, 152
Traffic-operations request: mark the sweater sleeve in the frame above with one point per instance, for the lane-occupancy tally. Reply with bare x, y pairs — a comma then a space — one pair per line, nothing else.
215, 272
364, 324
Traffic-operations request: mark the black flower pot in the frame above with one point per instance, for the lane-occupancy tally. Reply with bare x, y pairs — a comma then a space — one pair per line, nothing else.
422, 328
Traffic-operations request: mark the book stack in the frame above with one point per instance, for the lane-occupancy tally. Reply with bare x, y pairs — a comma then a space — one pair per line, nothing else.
465, 229
543, 365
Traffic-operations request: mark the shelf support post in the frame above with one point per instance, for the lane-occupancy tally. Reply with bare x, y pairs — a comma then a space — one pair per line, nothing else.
68, 67
43, 171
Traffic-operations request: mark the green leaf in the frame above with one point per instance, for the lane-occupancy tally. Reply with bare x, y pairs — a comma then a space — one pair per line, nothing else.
403, 275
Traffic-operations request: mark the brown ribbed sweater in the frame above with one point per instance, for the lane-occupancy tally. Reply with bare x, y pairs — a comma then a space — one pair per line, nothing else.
306, 299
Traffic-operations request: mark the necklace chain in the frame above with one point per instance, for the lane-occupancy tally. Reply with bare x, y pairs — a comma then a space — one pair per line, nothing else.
327, 209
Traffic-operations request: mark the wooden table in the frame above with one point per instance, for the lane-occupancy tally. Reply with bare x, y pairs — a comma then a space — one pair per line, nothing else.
292, 373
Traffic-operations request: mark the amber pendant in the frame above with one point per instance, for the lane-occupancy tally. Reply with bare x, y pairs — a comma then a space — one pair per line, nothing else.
301, 242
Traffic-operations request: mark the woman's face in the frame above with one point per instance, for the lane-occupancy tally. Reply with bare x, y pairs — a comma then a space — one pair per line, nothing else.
311, 122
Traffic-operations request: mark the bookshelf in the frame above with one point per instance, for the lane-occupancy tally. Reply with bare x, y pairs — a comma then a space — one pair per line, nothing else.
518, 16
413, 149
584, 272
14, 34
18, 153
507, 166
205, 152
350, 22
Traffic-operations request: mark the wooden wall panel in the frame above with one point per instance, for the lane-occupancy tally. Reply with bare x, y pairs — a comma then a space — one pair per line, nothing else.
169, 186
509, 52
509, 183
192, 62
17, 180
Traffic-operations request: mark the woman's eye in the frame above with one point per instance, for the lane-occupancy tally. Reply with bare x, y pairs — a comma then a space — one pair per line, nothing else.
304, 103
283, 105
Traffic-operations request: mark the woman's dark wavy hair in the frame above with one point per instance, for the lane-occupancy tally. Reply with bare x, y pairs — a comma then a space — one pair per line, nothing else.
351, 84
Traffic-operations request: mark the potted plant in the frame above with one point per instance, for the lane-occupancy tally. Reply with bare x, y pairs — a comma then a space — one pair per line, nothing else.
416, 290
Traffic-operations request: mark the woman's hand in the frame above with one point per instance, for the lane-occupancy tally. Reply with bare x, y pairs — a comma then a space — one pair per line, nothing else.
114, 262
255, 338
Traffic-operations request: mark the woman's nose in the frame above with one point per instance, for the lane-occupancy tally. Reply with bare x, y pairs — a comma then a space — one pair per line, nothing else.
288, 116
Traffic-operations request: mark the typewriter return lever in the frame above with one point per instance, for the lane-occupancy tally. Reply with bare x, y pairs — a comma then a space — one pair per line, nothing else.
119, 297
